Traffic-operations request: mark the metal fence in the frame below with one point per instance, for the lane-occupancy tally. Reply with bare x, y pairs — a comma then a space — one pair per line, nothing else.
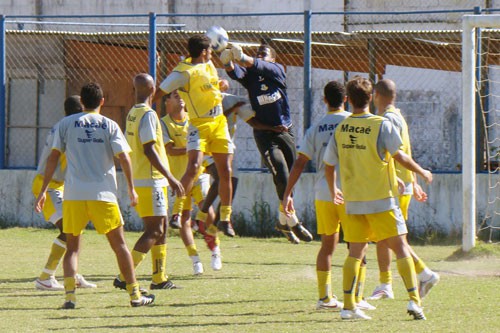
48, 58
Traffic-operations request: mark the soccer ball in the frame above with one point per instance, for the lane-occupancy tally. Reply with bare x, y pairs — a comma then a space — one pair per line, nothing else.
218, 38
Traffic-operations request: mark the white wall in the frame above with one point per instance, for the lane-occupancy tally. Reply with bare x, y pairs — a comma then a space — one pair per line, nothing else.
442, 212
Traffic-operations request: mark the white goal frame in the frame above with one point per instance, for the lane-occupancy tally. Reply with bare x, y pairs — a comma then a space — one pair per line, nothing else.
469, 47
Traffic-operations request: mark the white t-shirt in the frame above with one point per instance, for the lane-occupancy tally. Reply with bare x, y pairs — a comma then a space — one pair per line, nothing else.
47, 148
313, 146
90, 141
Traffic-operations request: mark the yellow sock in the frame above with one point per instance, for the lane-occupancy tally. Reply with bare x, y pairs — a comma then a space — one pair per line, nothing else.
133, 291
137, 257
282, 209
419, 266
56, 253
406, 269
385, 277
159, 258
360, 286
200, 216
324, 285
350, 277
192, 251
225, 213
178, 205
212, 230
69, 288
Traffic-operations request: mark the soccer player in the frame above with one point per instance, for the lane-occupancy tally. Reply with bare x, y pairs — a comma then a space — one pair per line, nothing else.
384, 100
151, 174
90, 141
363, 148
328, 215
264, 80
175, 126
52, 211
198, 84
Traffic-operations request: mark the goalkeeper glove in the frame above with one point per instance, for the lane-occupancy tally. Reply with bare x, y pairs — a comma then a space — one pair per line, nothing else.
238, 54
226, 57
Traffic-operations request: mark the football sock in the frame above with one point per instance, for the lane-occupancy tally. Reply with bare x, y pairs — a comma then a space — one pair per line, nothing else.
56, 253
385, 277
324, 285
159, 258
195, 259
69, 288
201, 216
225, 213
349, 281
133, 291
137, 257
191, 250
406, 269
360, 286
178, 205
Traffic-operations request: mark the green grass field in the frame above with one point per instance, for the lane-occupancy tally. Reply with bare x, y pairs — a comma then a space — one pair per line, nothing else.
266, 285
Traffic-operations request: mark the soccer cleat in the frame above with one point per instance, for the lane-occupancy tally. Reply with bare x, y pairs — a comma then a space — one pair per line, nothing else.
227, 228
364, 305
216, 261
49, 284
382, 291
333, 304
117, 283
300, 231
424, 287
416, 311
175, 221
353, 314
68, 305
197, 268
143, 300
285, 230
82, 283
164, 285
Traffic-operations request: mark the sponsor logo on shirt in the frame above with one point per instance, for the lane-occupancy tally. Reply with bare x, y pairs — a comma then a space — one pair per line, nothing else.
81, 124
269, 98
327, 127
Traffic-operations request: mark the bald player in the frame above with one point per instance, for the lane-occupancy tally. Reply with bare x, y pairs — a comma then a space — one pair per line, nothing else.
384, 100
151, 174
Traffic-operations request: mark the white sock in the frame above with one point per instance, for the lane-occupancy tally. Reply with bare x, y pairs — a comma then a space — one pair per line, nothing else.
292, 221
425, 275
282, 218
195, 259
216, 250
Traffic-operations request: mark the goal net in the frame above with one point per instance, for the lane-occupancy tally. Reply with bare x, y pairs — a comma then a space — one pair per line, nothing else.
481, 126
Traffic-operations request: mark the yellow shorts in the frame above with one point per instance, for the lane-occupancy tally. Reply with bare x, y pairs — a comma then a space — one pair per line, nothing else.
404, 203
104, 215
52, 210
328, 217
375, 227
198, 192
209, 135
153, 201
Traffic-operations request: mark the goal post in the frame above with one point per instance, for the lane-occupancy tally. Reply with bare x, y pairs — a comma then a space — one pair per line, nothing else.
470, 24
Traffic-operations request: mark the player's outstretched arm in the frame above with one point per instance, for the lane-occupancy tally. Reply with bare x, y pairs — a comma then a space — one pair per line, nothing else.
126, 165
50, 168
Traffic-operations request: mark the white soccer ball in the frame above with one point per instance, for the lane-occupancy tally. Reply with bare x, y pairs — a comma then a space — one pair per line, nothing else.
218, 38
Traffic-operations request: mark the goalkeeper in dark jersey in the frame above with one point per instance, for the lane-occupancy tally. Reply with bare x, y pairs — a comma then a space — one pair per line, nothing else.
264, 80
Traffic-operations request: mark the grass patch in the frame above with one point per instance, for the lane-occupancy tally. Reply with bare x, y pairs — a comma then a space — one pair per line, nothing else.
481, 250
266, 285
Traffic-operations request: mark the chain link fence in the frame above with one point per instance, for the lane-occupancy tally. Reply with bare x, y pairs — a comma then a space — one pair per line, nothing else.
47, 61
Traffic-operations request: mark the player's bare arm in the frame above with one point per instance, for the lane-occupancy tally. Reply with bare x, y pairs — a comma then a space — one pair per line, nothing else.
335, 192
50, 168
297, 169
172, 150
126, 166
154, 159
406, 161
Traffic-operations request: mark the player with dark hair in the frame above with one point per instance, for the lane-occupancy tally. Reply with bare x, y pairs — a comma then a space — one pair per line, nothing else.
198, 84
52, 211
264, 80
328, 215
363, 148
90, 141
